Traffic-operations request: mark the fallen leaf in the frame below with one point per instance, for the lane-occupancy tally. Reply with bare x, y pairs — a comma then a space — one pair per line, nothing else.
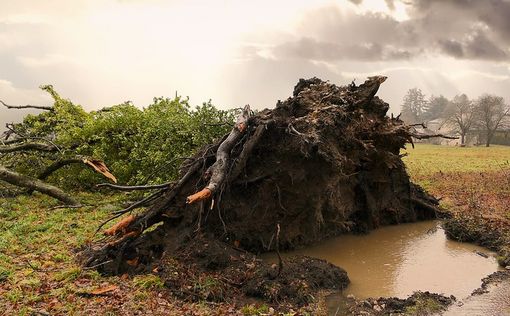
103, 290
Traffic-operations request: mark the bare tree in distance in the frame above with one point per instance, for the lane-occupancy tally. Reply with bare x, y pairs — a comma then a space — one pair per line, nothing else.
491, 114
461, 115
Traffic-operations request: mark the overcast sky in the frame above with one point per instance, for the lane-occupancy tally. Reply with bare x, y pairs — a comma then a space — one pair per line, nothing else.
103, 52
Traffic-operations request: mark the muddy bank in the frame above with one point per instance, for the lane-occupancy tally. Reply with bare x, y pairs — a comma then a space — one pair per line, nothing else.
494, 278
207, 269
491, 298
420, 303
492, 233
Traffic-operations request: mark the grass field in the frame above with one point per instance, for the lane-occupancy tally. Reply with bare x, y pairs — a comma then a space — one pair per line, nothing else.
467, 179
425, 160
38, 274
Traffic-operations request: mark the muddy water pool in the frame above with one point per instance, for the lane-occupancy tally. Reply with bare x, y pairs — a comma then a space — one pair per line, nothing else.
395, 261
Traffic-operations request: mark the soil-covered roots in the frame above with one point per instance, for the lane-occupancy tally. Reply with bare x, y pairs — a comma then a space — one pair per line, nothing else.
323, 162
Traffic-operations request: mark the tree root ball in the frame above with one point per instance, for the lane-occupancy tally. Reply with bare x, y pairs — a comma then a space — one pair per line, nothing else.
326, 161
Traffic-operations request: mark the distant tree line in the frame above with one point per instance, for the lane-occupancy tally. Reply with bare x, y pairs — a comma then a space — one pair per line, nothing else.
487, 115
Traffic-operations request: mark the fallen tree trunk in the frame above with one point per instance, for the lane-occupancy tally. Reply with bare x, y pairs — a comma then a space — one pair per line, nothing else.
20, 180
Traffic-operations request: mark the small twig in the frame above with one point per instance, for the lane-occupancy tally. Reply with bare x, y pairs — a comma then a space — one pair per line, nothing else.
97, 265
418, 124
67, 206
280, 261
135, 187
219, 211
200, 211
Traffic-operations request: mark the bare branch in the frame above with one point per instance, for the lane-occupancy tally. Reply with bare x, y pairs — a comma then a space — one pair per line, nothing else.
418, 124
427, 136
28, 146
246, 152
56, 166
135, 187
20, 180
28, 106
220, 167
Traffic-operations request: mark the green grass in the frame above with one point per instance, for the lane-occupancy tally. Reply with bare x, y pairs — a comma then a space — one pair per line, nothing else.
37, 247
425, 159
38, 271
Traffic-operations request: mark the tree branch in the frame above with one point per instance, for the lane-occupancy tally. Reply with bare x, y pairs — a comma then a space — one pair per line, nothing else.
246, 152
57, 165
28, 146
20, 180
220, 167
28, 106
135, 187
425, 136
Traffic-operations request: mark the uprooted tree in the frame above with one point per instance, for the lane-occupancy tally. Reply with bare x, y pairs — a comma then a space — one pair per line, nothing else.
325, 161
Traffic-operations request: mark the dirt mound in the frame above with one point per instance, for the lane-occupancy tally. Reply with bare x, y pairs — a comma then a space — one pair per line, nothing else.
206, 269
323, 162
420, 303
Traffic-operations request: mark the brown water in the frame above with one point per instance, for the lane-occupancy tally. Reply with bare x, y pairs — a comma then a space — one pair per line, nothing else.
395, 261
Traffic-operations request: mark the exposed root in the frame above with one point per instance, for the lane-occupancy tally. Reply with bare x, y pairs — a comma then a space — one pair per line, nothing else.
120, 227
199, 196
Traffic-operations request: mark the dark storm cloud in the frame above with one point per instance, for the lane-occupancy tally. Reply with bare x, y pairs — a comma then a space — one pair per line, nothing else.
463, 29
452, 48
312, 49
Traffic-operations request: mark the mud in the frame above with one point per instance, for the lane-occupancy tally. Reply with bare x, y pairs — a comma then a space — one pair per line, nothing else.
494, 278
490, 299
420, 303
207, 269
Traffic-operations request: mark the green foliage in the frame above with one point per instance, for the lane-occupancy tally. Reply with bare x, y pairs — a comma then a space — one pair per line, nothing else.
138, 145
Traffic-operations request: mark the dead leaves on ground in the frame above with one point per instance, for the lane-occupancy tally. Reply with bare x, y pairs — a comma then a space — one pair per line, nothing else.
100, 291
